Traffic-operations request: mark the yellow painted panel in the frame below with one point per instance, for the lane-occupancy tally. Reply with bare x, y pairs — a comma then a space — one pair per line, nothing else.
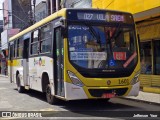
145, 80
133, 6
9, 62
148, 4
151, 90
149, 32
150, 80
155, 80
17, 62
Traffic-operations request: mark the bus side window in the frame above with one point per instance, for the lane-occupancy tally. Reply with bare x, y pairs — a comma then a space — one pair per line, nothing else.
34, 43
19, 47
9, 56
45, 39
14, 50
9, 51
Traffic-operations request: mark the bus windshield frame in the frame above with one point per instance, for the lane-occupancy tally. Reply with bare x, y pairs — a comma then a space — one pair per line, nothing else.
121, 66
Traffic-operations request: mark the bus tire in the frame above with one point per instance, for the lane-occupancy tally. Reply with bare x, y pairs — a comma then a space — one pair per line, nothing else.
50, 98
19, 87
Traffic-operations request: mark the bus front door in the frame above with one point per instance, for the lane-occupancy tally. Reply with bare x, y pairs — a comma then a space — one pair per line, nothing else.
58, 63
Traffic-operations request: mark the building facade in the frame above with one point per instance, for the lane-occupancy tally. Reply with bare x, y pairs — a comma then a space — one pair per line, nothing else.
55, 5
1, 53
16, 17
147, 17
41, 11
16, 14
76, 3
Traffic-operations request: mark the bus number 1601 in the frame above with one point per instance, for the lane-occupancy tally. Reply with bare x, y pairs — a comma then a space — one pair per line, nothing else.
123, 81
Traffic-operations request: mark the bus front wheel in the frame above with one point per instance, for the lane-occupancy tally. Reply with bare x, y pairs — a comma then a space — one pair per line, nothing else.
50, 98
18, 82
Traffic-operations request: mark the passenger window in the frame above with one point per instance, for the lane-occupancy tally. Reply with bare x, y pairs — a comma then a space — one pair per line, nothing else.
11, 50
45, 39
34, 43
15, 49
19, 47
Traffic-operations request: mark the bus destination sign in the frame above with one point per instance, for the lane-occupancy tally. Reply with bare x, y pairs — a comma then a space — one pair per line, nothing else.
105, 16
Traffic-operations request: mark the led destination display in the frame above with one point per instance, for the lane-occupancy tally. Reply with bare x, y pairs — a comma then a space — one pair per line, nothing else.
99, 16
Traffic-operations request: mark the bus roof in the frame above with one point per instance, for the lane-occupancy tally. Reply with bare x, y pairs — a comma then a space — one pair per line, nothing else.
40, 23
53, 16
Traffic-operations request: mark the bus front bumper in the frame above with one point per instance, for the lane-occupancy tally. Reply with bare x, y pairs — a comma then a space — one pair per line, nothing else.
73, 92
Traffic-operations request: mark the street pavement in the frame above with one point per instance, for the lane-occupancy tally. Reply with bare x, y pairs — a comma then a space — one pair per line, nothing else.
143, 96
11, 100
147, 97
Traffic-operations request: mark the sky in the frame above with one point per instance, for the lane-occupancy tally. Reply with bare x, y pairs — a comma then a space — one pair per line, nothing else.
1, 1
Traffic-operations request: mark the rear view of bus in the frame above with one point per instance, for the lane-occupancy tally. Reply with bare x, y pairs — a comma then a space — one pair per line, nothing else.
101, 55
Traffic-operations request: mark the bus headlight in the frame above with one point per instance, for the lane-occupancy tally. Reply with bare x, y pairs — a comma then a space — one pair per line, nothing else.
135, 79
75, 79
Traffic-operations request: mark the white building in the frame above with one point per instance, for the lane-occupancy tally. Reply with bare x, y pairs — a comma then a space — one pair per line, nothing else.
76, 3
41, 11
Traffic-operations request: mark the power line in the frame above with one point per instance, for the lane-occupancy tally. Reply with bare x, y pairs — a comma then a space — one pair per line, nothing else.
22, 8
10, 13
20, 19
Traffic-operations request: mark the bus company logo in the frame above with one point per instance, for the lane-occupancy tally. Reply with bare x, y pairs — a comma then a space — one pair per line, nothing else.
39, 62
108, 82
6, 114
10, 115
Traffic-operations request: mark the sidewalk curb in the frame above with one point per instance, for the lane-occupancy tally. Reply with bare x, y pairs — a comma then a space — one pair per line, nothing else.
143, 101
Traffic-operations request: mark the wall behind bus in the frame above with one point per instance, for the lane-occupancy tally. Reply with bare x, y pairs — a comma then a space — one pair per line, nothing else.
147, 17
133, 6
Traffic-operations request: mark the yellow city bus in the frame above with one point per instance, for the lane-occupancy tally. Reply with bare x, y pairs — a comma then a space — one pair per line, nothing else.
77, 54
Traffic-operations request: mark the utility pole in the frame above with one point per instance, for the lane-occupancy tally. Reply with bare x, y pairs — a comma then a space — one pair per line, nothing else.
31, 12
34, 5
57, 5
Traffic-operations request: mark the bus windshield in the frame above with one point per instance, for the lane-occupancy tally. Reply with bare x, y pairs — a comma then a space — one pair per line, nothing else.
102, 47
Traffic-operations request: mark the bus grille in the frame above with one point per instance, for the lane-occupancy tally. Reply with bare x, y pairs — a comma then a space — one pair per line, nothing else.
100, 92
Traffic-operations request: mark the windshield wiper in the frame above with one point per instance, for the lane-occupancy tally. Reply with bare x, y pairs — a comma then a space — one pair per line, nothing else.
117, 32
114, 36
94, 34
109, 43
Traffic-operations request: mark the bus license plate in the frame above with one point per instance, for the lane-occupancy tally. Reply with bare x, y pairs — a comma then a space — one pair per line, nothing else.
108, 95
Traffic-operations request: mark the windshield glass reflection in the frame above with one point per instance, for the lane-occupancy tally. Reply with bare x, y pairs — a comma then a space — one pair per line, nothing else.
99, 47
